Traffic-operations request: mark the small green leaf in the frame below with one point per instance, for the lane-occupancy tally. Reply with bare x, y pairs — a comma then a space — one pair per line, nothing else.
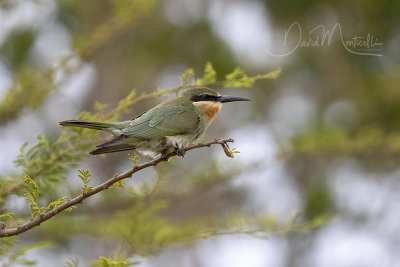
134, 159
186, 76
233, 150
84, 175
209, 77
115, 262
271, 75
120, 184
31, 194
71, 208
56, 203
124, 104
238, 78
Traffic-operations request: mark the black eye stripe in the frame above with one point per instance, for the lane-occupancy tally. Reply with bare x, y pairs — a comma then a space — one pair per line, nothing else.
197, 98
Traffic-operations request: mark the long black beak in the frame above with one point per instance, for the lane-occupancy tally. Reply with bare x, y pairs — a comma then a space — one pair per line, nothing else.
231, 98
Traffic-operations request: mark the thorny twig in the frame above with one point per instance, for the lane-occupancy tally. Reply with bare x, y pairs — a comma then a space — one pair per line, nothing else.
5, 232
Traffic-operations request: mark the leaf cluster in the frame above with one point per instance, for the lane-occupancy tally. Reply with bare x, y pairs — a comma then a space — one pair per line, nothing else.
112, 262
84, 175
32, 194
366, 141
13, 255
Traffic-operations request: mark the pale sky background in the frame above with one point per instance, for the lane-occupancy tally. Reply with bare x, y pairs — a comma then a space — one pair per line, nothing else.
245, 27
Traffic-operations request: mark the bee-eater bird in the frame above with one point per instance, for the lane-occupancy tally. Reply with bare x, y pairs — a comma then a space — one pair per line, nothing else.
168, 127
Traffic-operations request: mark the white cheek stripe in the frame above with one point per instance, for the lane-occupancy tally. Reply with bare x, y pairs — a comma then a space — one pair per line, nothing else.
200, 103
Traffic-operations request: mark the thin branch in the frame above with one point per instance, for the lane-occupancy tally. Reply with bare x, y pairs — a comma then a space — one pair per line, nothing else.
5, 232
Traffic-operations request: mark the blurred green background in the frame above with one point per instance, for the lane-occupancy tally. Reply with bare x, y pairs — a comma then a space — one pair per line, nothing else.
322, 139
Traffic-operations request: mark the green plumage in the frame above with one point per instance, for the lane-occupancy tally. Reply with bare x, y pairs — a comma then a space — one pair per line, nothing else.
170, 125
85, 124
147, 132
174, 117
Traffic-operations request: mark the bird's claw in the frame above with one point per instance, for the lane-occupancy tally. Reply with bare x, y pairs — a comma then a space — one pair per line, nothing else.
180, 152
164, 158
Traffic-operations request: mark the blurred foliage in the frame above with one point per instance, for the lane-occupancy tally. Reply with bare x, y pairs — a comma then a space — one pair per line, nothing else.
32, 86
72, 263
125, 13
28, 91
132, 43
46, 163
114, 262
17, 256
365, 130
16, 48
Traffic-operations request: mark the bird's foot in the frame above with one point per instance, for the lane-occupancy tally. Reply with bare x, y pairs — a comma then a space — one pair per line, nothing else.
164, 155
164, 158
180, 152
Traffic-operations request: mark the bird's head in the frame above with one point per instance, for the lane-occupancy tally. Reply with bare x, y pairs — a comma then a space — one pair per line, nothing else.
209, 101
204, 94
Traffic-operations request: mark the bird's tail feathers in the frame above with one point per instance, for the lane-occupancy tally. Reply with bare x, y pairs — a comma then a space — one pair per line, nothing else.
112, 146
110, 149
87, 124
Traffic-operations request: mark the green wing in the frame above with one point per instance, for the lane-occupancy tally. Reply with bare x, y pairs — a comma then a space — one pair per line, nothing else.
167, 119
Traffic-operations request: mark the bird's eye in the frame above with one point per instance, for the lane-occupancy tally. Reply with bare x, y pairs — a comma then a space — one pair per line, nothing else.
203, 97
